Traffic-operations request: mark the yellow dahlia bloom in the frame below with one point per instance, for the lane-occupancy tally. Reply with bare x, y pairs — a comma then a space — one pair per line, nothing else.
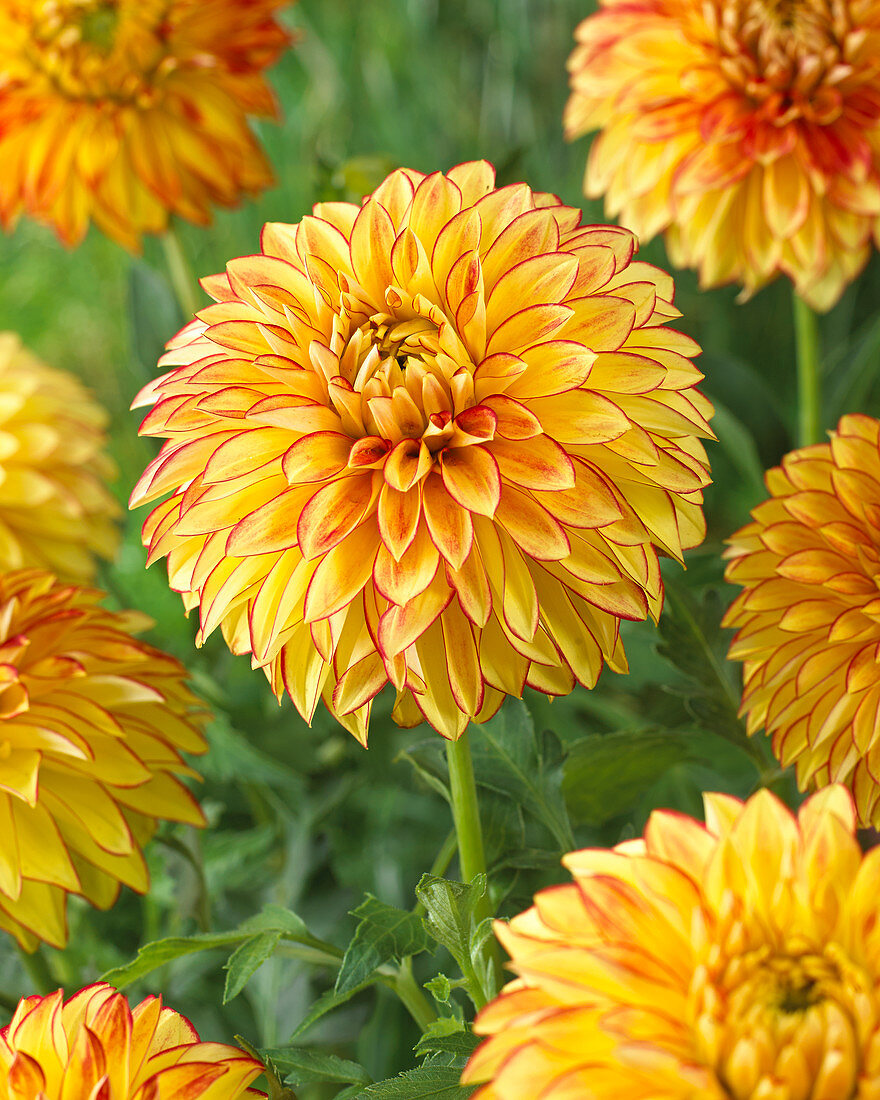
123, 112
95, 1047
436, 440
748, 130
808, 618
92, 725
55, 510
739, 960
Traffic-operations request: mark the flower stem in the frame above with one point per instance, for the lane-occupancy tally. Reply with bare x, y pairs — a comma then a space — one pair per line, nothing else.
37, 969
806, 332
466, 815
180, 272
415, 1002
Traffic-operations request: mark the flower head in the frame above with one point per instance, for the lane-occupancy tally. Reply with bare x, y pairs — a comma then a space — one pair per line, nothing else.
123, 112
55, 510
95, 1045
748, 130
808, 618
436, 440
739, 960
92, 724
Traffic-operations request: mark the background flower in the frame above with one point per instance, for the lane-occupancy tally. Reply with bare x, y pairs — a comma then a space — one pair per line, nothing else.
732, 960
125, 111
55, 511
749, 131
95, 1045
92, 724
436, 440
808, 617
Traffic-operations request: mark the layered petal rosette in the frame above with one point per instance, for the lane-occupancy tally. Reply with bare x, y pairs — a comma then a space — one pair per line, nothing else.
55, 510
95, 1046
748, 131
92, 726
808, 618
736, 960
437, 440
124, 112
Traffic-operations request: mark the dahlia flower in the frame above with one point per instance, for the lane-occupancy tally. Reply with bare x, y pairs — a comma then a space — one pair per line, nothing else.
92, 724
123, 112
55, 511
437, 440
736, 960
808, 618
95, 1046
748, 131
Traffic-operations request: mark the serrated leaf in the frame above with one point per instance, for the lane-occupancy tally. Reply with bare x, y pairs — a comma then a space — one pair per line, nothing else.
447, 1035
385, 932
327, 1002
440, 988
424, 1083
304, 1065
607, 773
510, 759
153, 955
246, 960
450, 912
272, 919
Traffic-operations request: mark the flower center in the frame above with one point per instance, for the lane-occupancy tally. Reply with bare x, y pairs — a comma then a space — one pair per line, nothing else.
784, 1023
97, 49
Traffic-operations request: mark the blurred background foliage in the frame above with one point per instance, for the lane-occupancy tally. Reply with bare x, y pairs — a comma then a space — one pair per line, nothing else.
304, 818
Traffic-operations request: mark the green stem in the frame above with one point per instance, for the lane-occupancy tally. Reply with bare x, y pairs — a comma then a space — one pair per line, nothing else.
37, 969
415, 1002
465, 808
180, 272
469, 832
806, 332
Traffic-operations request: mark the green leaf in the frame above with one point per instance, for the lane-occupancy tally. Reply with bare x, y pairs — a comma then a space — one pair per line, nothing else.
695, 644
274, 918
384, 933
511, 759
327, 1002
154, 313
246, 960
304, 1065
428, 758
153, 955
440, 988
424, 1083
607, 773
449, 913
448, 1035
738, 444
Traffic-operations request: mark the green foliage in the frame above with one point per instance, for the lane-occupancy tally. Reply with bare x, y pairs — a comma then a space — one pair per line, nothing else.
425, 1083
384, 933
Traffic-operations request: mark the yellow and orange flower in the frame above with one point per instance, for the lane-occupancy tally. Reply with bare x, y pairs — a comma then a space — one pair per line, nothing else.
437, 440
96, 1046
55, 510
808, 618
748, 130
92, 725
123, 112
739, 960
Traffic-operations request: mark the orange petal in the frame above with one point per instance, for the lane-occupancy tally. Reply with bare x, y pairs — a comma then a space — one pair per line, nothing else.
471, 477
450, 525
316, 457
333, 512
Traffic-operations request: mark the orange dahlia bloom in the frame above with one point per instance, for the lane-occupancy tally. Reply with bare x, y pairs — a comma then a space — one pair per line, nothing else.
95, 1047
55, 510
748, 130
92, 724
436, 440
126, 111
736, 960
808, 618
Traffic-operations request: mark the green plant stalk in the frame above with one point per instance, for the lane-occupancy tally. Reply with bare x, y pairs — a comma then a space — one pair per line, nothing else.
37, 969
806, 333
415, 1002
180, 272
469, 832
